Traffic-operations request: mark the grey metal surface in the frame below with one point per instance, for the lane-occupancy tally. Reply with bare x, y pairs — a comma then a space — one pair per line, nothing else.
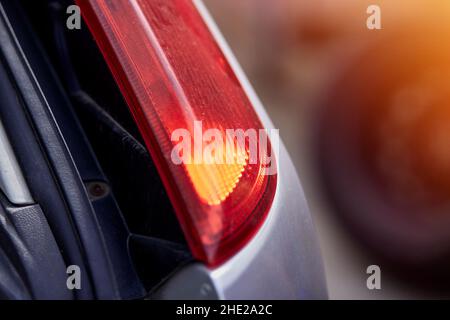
283, 260
12, 182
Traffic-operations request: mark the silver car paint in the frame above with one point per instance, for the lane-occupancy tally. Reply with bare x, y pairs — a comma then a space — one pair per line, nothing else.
283, 259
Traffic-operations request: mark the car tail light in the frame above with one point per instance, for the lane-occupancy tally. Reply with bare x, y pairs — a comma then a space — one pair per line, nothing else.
175, 77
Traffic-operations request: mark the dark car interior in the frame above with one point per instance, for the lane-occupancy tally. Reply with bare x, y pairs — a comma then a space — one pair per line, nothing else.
66, 120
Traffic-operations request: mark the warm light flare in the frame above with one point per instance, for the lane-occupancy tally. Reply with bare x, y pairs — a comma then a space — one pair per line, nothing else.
214, 182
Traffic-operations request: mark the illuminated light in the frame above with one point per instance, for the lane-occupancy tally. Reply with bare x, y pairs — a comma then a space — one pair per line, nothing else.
215, 182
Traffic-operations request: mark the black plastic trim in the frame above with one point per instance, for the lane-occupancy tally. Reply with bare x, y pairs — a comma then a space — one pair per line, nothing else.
49, 169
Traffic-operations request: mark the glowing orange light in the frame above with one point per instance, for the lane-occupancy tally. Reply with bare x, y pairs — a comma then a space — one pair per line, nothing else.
214, 182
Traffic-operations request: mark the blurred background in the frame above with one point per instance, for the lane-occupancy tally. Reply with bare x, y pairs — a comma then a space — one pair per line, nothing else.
365, 115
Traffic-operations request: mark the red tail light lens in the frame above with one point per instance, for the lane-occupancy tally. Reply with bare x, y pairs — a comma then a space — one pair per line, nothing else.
182, 91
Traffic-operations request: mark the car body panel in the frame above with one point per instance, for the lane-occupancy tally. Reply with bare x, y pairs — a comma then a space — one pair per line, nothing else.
283, 259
